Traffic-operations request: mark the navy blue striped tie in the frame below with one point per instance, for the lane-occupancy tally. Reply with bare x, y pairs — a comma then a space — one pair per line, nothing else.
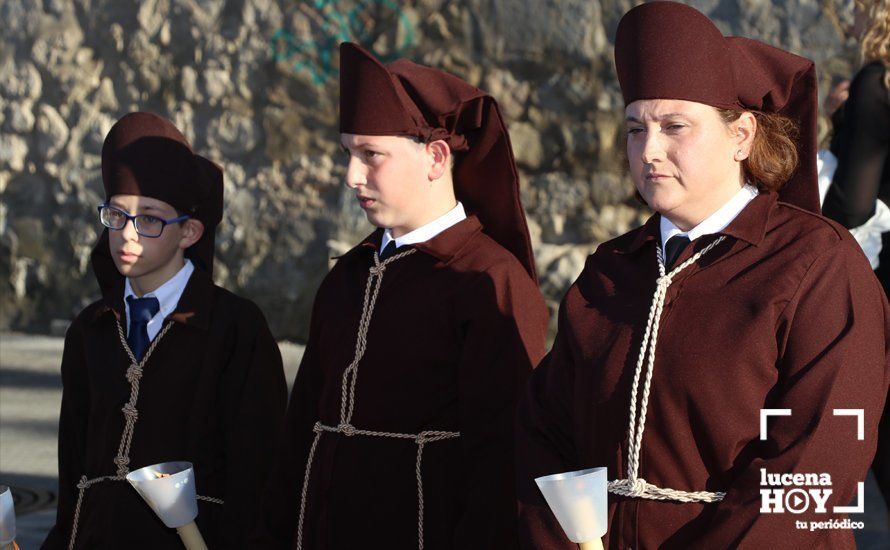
141, 312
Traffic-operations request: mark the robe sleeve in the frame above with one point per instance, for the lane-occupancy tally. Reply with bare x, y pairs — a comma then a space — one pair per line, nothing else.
72, 434
544, 441
256, 397
863, 147
280, 506
832, 343
503, 337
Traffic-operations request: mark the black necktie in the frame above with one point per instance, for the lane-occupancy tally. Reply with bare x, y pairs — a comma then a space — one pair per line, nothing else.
141, 312
388, 250
674, 247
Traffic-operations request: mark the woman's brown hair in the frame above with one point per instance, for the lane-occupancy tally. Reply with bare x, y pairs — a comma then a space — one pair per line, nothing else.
773, 156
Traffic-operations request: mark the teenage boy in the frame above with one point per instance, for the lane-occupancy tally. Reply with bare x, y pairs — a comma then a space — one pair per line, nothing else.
166, 366
399, 429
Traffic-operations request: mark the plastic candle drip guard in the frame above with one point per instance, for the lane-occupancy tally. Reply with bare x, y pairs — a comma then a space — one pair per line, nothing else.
169, 488
579, 501
7, 517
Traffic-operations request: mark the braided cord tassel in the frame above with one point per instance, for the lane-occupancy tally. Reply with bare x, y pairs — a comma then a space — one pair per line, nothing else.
131, 414
635, 486
347, 405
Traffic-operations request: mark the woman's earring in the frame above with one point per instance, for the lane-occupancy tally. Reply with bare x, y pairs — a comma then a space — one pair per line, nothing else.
738, 156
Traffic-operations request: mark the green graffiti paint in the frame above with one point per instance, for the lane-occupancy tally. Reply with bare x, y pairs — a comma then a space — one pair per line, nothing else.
314, 55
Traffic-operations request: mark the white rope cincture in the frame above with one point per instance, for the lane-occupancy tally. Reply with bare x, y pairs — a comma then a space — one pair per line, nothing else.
131, 414
347, 403
635, 486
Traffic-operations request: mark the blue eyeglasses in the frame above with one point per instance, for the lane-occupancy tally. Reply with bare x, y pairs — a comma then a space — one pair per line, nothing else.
145, 224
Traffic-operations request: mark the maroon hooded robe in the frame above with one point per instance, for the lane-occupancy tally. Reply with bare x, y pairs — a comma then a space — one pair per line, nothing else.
437, 340
212, 392
783, 313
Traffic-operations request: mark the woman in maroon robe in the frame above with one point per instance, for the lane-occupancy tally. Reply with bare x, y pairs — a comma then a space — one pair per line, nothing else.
666, 353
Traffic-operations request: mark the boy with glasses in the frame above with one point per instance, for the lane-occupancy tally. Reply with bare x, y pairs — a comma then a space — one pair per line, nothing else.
195, 364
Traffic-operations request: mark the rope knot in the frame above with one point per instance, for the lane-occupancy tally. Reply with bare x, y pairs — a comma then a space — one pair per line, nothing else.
637, 486
665, 280
83, 483
377, 269
346, 429
134, 373
122, 465
130, 411
317, 428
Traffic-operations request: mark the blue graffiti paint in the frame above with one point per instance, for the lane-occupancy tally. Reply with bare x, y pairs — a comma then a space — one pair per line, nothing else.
315, 55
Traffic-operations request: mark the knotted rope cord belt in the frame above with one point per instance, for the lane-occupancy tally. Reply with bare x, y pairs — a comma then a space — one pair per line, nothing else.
347, 403
635, 486
122, 460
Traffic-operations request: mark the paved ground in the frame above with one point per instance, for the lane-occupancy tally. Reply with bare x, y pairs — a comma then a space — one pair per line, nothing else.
30, 392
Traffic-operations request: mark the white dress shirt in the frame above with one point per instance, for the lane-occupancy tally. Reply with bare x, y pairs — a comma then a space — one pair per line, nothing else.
714, 223
168, 295
428, 231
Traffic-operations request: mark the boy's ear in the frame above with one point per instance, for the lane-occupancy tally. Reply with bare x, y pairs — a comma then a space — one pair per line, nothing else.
192, 230
440, 157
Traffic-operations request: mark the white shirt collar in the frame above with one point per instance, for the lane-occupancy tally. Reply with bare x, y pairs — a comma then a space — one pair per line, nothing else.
714, 223
428, 231
168, 295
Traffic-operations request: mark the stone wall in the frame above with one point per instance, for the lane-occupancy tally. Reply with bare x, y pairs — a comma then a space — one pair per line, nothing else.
253, 84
